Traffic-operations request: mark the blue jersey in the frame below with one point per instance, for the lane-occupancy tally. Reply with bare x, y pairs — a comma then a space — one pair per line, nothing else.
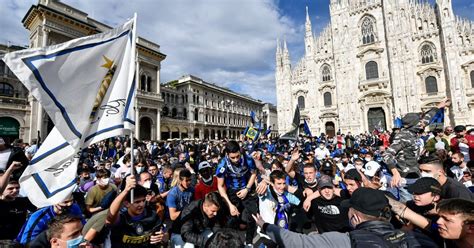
236, 177
38, 222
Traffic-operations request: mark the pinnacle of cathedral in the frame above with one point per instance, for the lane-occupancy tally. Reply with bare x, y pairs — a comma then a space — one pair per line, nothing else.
308, 24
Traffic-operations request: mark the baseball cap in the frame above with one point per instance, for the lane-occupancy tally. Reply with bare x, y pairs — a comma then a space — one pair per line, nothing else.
327, 166
325, 181
371, 168
411, 119
368, 201
424, 185
204, 165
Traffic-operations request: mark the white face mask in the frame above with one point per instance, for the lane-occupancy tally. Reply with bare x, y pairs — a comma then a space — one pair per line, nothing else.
426, 174
139, 169
147, 184
103, 181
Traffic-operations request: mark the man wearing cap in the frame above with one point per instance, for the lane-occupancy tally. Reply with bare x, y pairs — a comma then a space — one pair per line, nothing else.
403, 154
328, 213
207, 183
369, 215
463, 143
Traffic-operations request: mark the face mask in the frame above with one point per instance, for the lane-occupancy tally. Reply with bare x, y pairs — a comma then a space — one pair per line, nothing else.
74, 243
368, 159
355, 156
426, 174
103, 181
321, 146
147, 184
139, 169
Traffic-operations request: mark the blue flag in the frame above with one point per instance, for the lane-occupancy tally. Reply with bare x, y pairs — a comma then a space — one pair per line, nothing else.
269, 130
438, 117
253, 117
397, 123
307, 131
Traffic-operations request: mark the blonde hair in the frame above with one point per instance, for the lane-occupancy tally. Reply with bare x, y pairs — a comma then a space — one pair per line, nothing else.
175, 179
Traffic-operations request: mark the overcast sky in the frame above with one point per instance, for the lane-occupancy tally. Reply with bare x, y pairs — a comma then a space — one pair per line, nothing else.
227, 42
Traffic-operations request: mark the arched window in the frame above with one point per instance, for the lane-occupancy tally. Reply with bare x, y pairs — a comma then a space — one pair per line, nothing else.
174, 112
197, 99
326, 73
368, 32
472, 79
182, 99
148, 84
428, 53
6, 89
194, 98
371, 70
196, 114
143, 82
185, 113
431, 85
301, 102
327, 99
165, 111
2, 67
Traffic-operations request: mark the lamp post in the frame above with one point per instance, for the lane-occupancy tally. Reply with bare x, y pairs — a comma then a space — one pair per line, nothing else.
227, 103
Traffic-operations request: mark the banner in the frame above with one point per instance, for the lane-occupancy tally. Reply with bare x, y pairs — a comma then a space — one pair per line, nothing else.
87, 87
295, 126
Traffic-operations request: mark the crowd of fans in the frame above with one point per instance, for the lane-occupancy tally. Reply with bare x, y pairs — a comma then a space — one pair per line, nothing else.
405, 188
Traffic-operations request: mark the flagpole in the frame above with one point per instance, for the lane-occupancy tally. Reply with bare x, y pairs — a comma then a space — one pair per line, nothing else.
132, 167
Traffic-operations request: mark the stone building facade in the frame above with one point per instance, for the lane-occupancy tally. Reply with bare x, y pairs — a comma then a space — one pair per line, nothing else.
377, 60
52, 22
194, 108
15, 111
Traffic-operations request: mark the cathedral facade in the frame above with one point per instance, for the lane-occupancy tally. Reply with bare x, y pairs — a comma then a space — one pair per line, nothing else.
375, 61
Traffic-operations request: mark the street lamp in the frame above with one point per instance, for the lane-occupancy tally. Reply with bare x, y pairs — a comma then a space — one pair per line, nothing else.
227, 103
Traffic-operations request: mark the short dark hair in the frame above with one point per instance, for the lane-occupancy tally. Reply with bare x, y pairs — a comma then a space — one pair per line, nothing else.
214, 198
55, 227
185, 173
138, 191
225, 237
277, 174
102, 173
458, 206
431, 159
232, 147
309, 165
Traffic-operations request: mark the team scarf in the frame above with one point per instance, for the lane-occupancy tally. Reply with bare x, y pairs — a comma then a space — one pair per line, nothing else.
282, 205
238, 171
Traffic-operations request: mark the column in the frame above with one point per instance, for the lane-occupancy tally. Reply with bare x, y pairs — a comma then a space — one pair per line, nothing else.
158, 124
158, 78
137, 121
201, 133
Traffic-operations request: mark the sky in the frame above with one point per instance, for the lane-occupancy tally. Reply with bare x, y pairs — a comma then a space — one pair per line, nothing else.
227, 42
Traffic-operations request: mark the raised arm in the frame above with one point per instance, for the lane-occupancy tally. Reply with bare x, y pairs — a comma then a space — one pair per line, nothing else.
113, 214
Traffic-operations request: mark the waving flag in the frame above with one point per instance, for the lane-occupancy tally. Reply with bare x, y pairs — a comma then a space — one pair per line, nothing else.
268, 131
397, 123
87, 87
437, 122
307, 131
252, 133
295, 126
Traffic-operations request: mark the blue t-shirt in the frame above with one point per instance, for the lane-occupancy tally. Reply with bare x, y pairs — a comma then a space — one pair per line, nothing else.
179, 199
236, 177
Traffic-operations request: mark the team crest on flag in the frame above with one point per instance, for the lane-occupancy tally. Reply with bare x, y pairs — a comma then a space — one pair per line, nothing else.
87, 88
251, 133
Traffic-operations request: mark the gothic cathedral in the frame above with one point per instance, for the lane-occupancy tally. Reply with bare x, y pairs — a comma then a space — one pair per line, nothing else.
377, 60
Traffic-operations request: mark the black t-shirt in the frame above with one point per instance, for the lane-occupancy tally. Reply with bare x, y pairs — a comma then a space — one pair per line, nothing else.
302, 184
455, 189
329, 214
13, 215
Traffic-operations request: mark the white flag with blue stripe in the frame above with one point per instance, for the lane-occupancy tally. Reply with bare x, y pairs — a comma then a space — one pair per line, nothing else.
87, 87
